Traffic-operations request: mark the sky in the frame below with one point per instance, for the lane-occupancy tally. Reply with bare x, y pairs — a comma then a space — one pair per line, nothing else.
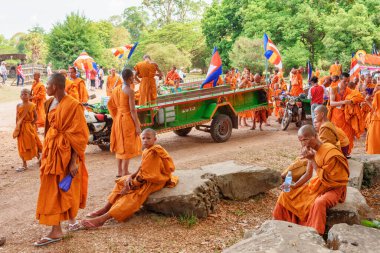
21, 15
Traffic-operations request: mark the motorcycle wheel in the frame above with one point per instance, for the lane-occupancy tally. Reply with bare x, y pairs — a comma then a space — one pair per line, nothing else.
285, 120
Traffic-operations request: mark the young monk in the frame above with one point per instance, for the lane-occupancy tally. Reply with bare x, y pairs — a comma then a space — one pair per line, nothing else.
307, 202
372, 141
243, 116
334, 81
66, 138
28, 142
71, 89
38, 98
79, 83
172, 78
131, 191
113, 81
125, 133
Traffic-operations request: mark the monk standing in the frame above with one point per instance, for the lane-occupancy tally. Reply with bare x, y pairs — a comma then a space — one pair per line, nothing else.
172, 78
66, 138
336, 69
147, 70
372, 142
79, 83
70, 88
130, 192
296, 83
125, 133
334, 81
28, 143
113, 81
307, 203
39, 98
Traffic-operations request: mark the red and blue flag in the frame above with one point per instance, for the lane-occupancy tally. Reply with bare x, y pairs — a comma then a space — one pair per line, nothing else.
271, 52
214, 70
309, 71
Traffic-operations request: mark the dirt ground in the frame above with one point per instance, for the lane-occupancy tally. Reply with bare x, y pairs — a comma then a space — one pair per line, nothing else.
144, 232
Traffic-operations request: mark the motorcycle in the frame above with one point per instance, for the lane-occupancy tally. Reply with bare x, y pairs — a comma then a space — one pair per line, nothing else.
99, 126
293, 112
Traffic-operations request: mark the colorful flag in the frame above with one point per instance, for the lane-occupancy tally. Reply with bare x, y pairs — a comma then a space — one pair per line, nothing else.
354, 68
271, 52
309, 71
121, 51
214, 70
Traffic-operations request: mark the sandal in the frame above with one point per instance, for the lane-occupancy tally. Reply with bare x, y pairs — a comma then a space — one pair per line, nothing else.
20, 169
74, 227
46, 240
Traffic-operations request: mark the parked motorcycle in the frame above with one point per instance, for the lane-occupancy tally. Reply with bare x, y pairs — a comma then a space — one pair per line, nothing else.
292, 113
99, 126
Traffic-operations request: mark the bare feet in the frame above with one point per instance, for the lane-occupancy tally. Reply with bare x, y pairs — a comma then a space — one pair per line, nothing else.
92, 223
97, 213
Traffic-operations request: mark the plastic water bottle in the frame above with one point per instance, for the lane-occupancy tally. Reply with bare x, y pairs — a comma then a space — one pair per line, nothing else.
288, 182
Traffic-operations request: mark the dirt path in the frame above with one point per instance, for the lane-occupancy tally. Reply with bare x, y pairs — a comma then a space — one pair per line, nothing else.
145, 232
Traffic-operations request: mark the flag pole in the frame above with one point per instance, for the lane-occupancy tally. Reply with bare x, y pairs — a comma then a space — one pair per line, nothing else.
266, 71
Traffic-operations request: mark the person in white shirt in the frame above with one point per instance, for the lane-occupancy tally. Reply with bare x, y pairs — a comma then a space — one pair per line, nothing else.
48, 70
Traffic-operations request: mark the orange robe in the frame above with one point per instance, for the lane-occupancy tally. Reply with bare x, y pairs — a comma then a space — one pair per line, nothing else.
154, 174
278, 109
172, 77
307, 205
39, 98
335, 70
297, 86
334, 84
353, 113
338, 116
343, 139
148, 90
82, 90
247, 114
328, 134
67, 131
275, 80
28, 142
71, 89
372, 142
124, 140
317, 73
112, 83
210, 84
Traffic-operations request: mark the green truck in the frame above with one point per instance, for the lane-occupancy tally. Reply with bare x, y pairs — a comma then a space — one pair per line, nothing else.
214, 110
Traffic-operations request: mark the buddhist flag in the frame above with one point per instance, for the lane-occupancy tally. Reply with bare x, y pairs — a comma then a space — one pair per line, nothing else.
354, 68
309, 71
123, 50
214, 70
271, 52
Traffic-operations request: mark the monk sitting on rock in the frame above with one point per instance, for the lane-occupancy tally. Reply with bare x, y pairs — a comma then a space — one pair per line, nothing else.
131, 191
307, 203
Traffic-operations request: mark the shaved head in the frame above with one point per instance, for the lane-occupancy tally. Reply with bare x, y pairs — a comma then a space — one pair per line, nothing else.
58, 80
322, 110
149, 130
25, 91
307, 131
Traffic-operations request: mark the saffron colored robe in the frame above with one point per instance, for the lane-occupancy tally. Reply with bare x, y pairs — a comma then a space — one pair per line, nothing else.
297, 86
112, 83
154, 174
124, 140
373, 134
28, 142
82, 90
71, 89
247, 114
172, 78
307, 205
66, 131
353, 113
147, 90
39, 98
335, 70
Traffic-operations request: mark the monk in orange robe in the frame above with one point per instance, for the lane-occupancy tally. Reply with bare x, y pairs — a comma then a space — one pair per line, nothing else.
296, 82
228, 78
317, 73
113, 81
39, 98
125, 132
307, 203
172, 78
63, 154
130, 192
211, 84
262, 115
28, 142
278, 108
334, 81
79, 83
353, 112
146, 71
336, 69
243, 116
337, 106
275, 79
70, 88
373, 133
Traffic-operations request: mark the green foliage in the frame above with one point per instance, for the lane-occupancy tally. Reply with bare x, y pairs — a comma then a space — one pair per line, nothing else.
295, 56
135, 20
68, 39
188, 220
248, 53
36, 47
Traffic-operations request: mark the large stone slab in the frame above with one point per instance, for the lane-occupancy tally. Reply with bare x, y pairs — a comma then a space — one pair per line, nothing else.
356, 173
354, 239
371, 173
351, 211
199, 190
280, 236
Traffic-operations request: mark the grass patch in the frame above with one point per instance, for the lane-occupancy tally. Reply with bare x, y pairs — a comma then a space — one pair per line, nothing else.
239, 212
188, 220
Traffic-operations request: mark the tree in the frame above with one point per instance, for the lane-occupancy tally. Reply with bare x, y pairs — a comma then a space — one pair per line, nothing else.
36, 47
135, 20
248, 53
68, 39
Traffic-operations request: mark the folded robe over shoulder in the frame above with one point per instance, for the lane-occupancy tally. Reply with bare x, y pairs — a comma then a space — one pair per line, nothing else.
67, 131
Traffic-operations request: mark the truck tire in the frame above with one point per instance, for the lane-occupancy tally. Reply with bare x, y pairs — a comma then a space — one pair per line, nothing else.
285, 120
221, 128
183, 132
104, 147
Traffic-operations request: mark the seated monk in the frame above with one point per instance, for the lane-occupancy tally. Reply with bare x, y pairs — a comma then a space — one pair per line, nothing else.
307, 202
131, 191
172, 78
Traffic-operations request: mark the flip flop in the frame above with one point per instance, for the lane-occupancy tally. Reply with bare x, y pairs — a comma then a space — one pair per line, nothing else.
74, 227
20, 169
46, 240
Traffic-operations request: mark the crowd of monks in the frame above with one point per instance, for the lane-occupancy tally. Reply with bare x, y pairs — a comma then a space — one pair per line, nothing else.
353, 107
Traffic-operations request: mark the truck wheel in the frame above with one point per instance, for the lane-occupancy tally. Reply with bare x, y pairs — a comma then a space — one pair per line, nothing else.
285, 120
221, 128
183, 132
104, 146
